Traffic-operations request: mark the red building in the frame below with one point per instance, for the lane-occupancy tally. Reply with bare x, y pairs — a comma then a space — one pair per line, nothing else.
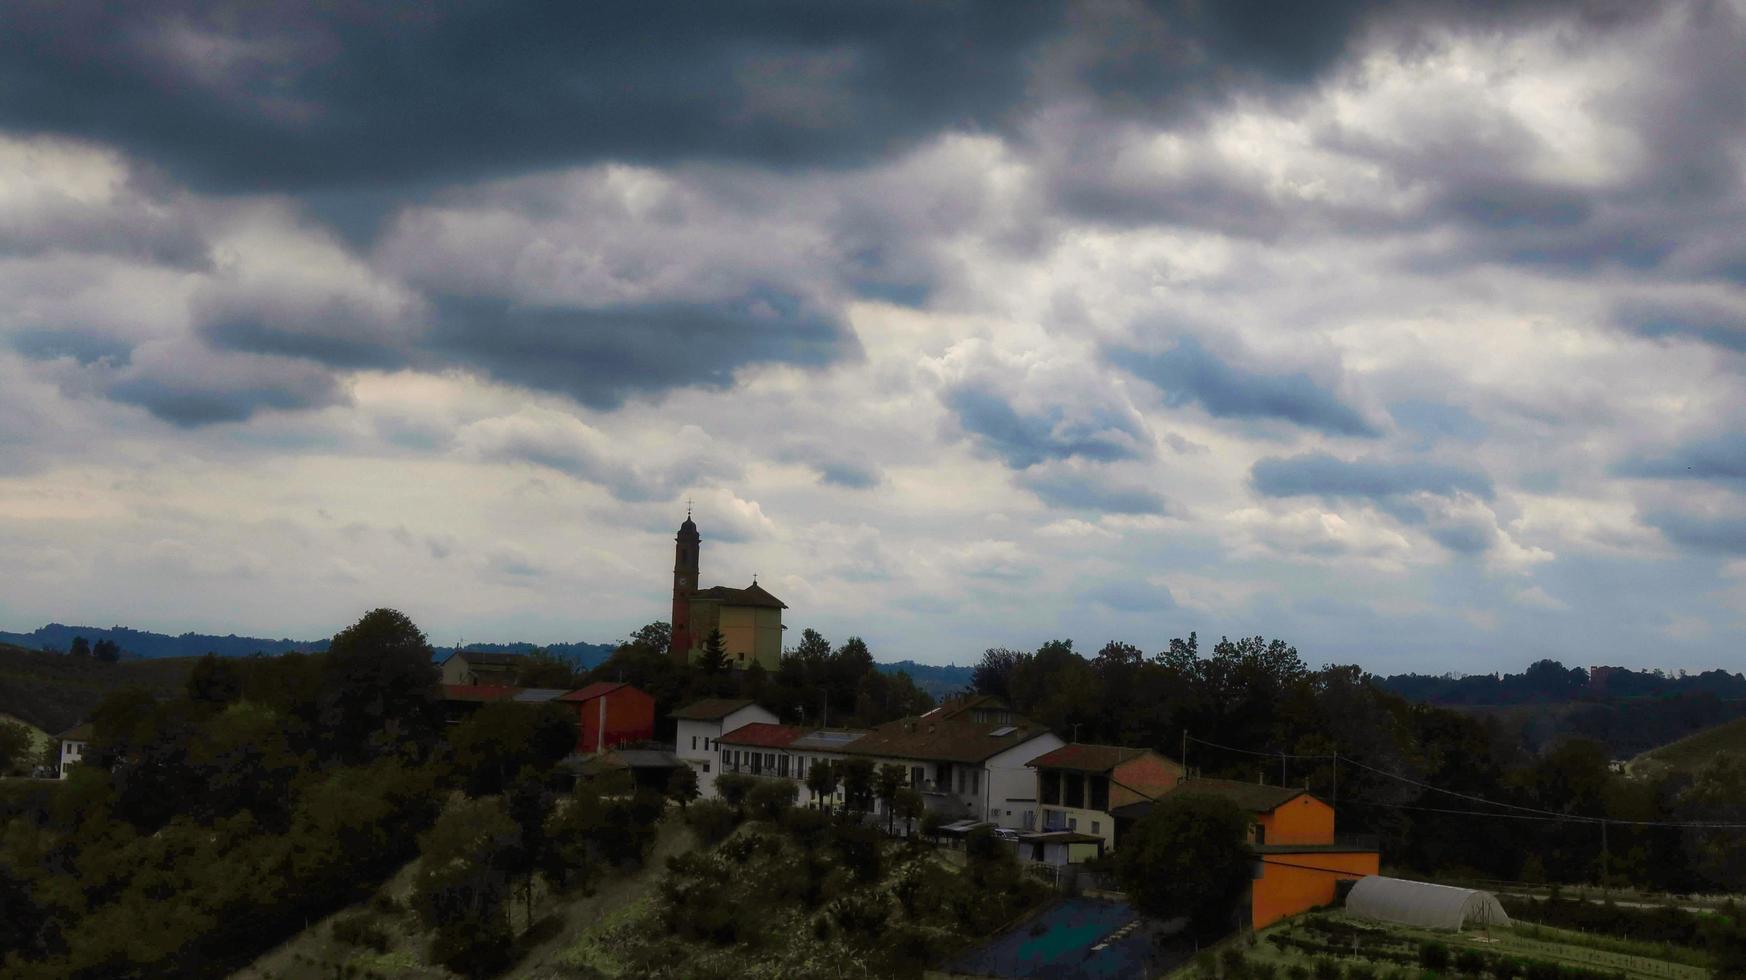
611, 715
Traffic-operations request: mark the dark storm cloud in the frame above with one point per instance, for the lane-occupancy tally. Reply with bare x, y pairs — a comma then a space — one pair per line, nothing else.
185, 393
1189, 372
1711, 323
1321, 475
83, 346
1093, 491
249, 96
850, 475
600, 357
1026, 439
1724, 533
1721, 457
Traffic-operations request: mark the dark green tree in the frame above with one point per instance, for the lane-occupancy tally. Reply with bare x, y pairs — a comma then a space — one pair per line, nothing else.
214, 680
1188, 857
106, 650
682, 786
81, 647
503, 737
15, 746
542, 668
858, 784
822, 779
888, 782
378, 688
463, 882
713, 660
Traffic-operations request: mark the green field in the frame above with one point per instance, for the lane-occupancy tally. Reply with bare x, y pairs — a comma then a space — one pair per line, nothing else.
1690, 753
1369, 949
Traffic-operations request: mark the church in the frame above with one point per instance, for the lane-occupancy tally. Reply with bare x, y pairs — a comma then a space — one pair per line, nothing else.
750, 619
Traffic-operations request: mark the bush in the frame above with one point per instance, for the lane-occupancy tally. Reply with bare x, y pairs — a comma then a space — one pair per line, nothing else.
1234, 963
1262, 970
1297, 971
1434, 956
1326, 969
1360, 971
711, 820
732, 787
361, 930
1470, 962
769, 799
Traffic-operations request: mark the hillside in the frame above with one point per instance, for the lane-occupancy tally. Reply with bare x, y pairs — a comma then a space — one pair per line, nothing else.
147, 645
937, 680
1693, 751
54, 692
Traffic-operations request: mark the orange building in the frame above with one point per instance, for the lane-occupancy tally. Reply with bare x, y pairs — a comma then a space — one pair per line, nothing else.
611, 715
1298, 858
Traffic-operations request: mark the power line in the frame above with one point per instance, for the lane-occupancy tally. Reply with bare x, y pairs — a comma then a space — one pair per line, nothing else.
1524, 812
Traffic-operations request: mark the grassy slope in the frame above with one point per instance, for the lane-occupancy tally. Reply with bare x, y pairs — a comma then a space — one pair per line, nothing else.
558, 920
53, 692
1690, 753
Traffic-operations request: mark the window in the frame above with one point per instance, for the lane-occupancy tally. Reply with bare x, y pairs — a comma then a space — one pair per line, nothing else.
1095, 828
1260, 834
1051, 787
694, 744
1030, 819
800, 767
916, 775
975, 781
1100, 792
782, 767
1072, 823
1073, 790
706, 767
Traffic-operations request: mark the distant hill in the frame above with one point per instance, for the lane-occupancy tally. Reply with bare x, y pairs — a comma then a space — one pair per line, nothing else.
1693, 751
1628, 711
54, 692
149, 646
585, 654
937, 680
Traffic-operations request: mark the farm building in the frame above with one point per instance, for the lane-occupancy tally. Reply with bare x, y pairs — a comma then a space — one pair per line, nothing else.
1420, 903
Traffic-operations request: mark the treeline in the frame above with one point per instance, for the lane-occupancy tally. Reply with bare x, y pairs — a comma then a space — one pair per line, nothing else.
1411, 773
815, 684
1550, 682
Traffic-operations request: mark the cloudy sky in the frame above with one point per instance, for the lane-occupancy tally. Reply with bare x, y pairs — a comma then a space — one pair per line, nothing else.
1411, 333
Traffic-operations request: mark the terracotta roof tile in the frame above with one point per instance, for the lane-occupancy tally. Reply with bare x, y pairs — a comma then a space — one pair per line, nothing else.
763, 735
950, 739
592, 691
1085, 757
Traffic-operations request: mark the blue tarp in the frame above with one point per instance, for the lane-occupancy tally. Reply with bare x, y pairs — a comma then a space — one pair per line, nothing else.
1062, 943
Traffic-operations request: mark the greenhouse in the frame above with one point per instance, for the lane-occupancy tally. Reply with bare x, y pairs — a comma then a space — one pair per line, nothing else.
1420, 903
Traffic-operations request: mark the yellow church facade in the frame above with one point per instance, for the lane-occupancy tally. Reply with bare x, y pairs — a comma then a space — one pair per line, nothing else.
750, 619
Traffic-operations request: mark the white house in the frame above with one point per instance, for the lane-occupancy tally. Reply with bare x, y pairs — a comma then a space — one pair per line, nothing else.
968, 758
701, 726
74, 742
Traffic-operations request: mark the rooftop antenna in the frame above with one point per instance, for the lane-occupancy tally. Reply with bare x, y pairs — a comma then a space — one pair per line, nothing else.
688, 508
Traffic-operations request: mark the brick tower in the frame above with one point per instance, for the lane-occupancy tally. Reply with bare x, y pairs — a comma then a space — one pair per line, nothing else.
684, 586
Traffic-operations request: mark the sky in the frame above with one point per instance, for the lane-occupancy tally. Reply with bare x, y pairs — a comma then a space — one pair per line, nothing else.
1413, 334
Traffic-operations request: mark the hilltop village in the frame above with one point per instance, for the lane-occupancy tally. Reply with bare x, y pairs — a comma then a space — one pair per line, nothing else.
759, 808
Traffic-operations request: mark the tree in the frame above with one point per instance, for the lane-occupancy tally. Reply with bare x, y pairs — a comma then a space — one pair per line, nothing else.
822, 780
81, 647
106, 650
713, 661
378, 688
909, 806
542, 668
657, 636
993, 675
1188, 857
214, 680
888, 782
462, 883
682, 786
858, 784
503, 737
15, 743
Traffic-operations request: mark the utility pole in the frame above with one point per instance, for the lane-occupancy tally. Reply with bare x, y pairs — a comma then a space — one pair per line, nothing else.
1282, 768
1336, 778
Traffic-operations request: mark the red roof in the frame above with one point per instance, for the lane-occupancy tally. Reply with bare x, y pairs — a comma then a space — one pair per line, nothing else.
478, 692
763, 735
1086, 757
592, 691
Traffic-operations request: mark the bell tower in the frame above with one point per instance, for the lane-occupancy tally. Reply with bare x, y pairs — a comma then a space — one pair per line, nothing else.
685, 549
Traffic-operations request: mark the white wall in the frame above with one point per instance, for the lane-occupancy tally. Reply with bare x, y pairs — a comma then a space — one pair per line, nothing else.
1012, 784
72, 753
705, 759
